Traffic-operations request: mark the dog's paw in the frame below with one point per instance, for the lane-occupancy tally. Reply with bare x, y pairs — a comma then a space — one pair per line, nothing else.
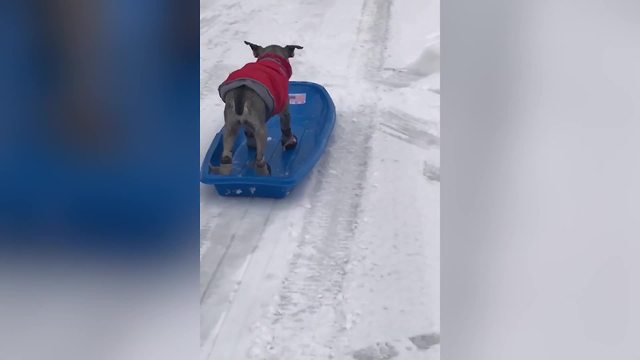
263, 169
225, 169
226, 160
290, 142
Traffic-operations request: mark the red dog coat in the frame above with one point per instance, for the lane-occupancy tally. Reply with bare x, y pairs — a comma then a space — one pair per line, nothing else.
268, 76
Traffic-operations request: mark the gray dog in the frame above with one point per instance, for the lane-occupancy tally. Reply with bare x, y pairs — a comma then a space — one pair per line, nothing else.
252, 95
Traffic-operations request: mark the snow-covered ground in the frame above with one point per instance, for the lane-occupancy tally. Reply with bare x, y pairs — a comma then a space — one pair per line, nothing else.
347, 266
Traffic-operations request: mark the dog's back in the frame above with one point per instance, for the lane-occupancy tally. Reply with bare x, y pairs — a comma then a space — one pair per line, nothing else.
268, 77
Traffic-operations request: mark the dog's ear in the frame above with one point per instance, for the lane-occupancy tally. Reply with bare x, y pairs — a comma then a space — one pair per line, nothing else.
290, 49
257, 49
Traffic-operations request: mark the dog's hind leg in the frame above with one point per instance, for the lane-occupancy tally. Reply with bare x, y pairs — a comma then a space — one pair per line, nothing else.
262, 167
251, 138
254, 121
231, 126
288, 140
228, 139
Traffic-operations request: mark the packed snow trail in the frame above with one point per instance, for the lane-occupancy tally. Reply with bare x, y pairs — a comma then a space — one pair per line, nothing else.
348, 265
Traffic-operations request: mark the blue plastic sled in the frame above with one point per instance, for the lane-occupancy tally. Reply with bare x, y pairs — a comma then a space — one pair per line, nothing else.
313, 116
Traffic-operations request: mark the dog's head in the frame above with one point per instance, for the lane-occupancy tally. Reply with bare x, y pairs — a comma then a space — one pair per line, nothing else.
284, 51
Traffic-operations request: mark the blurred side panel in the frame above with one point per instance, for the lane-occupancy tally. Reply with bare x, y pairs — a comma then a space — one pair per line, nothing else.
99, 116
540, 179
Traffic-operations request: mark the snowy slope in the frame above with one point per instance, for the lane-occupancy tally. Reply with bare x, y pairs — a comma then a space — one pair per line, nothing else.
346, 267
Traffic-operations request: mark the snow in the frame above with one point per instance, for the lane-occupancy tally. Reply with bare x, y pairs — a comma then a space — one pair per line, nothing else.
347, 266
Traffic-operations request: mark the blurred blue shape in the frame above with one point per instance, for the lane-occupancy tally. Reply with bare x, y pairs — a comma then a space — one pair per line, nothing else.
94, 99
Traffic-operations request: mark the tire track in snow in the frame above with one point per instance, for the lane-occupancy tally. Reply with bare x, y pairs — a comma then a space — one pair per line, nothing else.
310, 297
310, 302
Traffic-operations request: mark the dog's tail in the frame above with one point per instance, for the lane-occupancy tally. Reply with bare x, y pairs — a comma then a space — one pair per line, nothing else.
238, 100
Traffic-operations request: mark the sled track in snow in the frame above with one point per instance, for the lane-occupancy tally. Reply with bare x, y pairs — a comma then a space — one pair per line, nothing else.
232, 229
234, 237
